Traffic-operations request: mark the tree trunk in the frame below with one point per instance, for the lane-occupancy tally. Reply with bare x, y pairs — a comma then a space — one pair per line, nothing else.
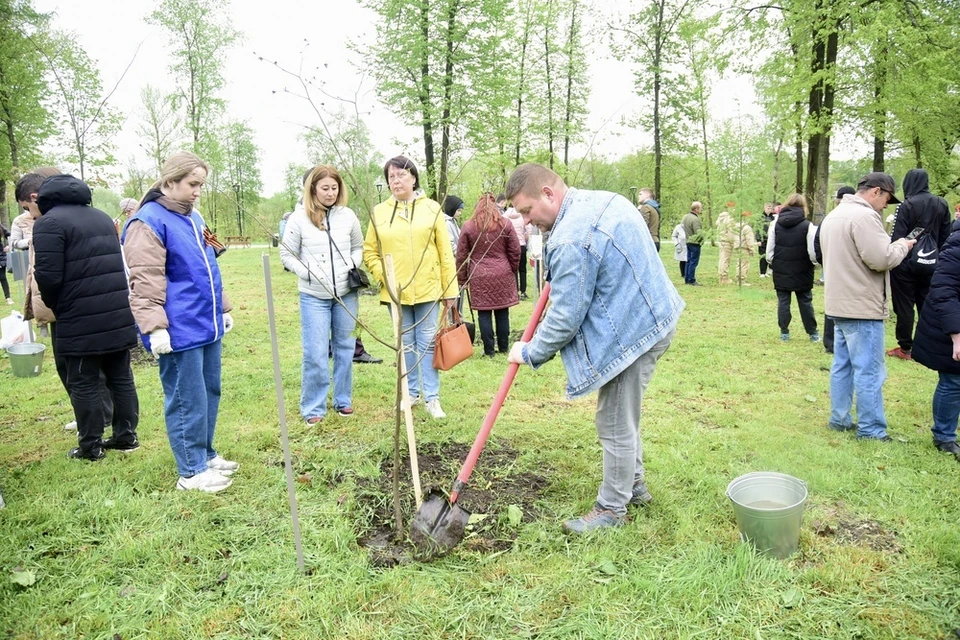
441, 187
879, 111
776, 168
657, 147
916, 151
568, 117
425, 98
520, 87
546, 44
798, 184
706, 159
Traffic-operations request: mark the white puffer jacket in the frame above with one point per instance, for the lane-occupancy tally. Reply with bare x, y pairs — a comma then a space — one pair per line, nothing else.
306, 251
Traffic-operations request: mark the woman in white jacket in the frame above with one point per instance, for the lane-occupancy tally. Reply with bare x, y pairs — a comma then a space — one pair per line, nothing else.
680, 248
321, 243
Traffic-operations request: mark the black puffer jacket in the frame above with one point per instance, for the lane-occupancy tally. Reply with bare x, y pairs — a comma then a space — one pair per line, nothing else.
792, 269
940, 315
920, 208
79, 271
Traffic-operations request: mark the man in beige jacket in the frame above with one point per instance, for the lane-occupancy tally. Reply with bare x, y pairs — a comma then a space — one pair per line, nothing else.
858, 255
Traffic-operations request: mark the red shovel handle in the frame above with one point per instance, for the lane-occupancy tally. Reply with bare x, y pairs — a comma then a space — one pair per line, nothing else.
498, 400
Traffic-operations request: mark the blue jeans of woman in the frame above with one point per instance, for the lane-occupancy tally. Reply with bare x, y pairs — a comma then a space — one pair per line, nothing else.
858, 367
191, 401
326, 325
419, 326
946, 408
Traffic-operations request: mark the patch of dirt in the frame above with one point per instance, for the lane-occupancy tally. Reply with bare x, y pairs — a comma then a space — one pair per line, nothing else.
495, 486
848, 529
140, 357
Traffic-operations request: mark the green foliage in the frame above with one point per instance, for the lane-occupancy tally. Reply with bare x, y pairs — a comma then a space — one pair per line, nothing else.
25, 117
87, 122
200, 33
159, 125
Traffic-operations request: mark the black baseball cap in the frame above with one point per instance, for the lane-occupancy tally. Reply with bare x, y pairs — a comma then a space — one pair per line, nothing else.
845, 190
882, 180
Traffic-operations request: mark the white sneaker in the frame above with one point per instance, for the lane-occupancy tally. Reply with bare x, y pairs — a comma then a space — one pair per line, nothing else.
433, 408
223, 467
210, 481
9, 300
70, 426
414, 401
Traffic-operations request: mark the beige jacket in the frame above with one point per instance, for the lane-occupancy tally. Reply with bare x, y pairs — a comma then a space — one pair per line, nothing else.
857, 256
33, 307
726, 229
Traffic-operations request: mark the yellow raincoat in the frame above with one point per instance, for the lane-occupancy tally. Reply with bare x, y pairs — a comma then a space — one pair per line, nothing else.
415, 234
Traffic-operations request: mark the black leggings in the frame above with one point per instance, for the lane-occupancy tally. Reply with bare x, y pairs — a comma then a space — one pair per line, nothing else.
4, 283
486, 330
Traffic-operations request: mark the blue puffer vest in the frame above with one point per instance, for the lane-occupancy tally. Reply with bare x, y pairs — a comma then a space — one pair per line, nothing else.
194, 304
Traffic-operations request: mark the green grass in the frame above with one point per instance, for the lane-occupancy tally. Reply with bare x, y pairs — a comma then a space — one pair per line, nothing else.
116, 550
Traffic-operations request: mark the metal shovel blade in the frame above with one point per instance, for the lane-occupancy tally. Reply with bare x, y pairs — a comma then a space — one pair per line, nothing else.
438, 526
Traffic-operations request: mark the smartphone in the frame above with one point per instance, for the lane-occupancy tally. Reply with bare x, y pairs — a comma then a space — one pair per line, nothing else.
916, 233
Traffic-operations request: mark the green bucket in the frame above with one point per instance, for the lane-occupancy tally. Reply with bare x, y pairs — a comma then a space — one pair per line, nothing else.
769, 508
26, 359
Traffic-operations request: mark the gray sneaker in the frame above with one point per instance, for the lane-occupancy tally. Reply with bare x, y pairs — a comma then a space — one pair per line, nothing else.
596, 518
641, 496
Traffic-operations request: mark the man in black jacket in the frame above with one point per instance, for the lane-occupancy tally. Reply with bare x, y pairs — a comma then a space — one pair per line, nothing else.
79, 273
920, 208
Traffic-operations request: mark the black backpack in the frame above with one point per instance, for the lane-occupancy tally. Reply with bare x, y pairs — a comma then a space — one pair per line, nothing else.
924, 256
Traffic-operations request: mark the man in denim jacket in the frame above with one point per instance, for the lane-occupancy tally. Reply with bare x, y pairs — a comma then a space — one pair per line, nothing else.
613, 314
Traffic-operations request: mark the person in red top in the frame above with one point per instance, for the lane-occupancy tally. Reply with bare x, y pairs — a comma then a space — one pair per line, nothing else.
488, 256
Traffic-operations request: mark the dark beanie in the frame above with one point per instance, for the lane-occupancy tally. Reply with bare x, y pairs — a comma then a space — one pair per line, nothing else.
451, 204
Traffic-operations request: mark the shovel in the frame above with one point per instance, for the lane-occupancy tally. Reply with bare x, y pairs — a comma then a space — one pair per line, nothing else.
439, 524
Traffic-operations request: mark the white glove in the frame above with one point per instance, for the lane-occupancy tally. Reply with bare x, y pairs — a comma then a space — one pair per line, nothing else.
160, 342
227, 323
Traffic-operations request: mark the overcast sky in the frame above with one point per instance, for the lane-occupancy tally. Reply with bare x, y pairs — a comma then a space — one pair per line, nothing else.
111, 30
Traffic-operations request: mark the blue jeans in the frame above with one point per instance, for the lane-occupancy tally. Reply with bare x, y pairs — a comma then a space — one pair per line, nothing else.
858, 366
191, 390
946, 408
419, 326
323, 321
693, 259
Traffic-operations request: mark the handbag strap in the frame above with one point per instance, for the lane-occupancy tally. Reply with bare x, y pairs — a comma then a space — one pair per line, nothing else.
332, 244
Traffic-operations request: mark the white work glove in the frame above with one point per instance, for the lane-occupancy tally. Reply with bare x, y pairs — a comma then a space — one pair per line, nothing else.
160, 342
516, 353
227, 323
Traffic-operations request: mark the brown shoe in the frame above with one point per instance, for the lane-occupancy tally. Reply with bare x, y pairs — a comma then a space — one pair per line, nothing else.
899, 353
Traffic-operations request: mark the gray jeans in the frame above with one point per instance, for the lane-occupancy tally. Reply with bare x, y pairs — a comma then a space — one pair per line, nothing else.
618, 427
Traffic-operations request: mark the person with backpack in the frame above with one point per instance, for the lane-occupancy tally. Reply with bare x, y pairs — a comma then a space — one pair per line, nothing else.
910, 281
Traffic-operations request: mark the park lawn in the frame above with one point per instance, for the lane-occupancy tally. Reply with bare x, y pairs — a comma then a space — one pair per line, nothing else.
116, 552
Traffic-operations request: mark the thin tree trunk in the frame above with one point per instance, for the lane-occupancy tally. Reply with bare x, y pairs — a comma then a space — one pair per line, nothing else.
776, 167
916, 151
568, 117
657, 147
441, 189
546, 44
425, 98
879, 111
520, 89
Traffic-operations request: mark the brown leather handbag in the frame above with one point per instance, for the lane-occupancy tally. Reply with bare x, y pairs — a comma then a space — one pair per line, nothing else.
453, 344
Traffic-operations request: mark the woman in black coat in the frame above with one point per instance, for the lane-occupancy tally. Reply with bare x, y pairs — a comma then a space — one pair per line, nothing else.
937, 344
791, 256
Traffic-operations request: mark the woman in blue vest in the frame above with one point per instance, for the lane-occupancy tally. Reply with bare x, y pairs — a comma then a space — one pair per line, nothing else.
177, 299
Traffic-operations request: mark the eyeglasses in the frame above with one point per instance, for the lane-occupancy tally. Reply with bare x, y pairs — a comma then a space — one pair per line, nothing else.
399, 175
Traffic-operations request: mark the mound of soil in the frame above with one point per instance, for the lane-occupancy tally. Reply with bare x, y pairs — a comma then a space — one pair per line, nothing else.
498, 496
847, 528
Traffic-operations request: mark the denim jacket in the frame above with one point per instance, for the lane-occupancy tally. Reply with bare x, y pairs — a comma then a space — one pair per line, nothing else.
611, 299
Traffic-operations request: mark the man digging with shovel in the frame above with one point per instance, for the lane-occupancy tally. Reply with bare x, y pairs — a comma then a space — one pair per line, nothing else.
613, 314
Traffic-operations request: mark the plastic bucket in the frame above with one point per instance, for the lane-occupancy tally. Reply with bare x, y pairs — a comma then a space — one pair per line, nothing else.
769, 508
26, 359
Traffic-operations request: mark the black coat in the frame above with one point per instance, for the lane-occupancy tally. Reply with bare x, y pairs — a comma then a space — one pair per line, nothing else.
79, 271
920, 208
792, 269
940, 314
